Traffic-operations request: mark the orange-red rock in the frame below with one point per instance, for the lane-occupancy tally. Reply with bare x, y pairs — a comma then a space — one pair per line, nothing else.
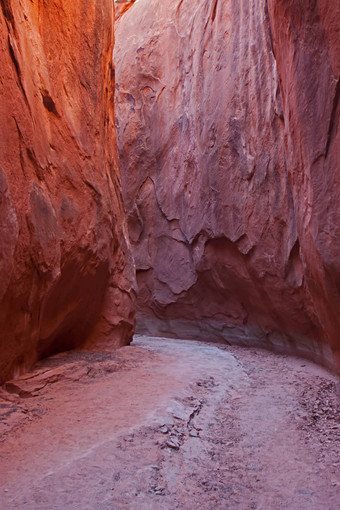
223, 108
121, 6
65, 266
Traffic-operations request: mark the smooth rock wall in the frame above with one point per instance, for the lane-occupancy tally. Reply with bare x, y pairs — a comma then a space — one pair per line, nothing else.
213, 122
66, 271
306, 41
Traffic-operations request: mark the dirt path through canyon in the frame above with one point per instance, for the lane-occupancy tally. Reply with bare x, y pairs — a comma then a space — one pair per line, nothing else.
166, 424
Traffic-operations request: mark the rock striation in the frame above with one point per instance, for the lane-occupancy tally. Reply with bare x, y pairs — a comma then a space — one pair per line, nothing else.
66, 271
121, 6
227, 116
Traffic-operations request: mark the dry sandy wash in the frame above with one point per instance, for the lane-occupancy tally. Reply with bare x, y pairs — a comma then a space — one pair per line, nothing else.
166, 424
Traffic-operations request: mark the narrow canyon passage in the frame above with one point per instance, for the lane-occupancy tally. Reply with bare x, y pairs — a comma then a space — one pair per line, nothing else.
171, 424
171, 169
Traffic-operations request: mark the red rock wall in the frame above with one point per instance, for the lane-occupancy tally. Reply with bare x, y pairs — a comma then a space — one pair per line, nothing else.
306, 40
65, 266
211, 131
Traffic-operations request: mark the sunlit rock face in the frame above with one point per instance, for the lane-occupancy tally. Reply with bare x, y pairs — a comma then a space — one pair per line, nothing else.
65, 267
222, 114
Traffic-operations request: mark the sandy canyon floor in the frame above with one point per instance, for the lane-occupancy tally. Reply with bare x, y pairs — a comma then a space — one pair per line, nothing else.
167, 424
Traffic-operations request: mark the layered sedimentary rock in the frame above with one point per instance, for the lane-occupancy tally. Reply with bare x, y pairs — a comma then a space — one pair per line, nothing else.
65, 267
222, 110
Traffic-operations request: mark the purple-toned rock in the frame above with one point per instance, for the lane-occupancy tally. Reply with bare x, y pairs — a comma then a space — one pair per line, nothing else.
223, 110
306, 41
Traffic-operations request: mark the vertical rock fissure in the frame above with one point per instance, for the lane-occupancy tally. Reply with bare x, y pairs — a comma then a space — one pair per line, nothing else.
334, 117
213, 12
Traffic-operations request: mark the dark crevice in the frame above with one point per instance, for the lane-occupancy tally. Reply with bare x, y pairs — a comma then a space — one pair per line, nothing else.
7, 11
334, 115
269, 27
49, 103
213, 13
179, 6
294, 272
14, 59
93, 188
269, 32
17, 69
143, 270
21, 143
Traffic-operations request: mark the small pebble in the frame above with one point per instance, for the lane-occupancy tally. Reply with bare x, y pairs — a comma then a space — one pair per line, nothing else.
172, 444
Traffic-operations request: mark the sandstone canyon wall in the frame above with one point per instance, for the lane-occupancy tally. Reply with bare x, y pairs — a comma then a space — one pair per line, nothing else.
227, 118
306, 41
66, 272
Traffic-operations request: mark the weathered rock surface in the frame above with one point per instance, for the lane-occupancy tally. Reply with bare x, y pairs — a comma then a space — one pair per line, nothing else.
65, 266
306, 40
227, 117
121, 6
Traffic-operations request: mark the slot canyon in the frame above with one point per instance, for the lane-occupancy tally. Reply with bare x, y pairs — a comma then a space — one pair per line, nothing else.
169, 254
